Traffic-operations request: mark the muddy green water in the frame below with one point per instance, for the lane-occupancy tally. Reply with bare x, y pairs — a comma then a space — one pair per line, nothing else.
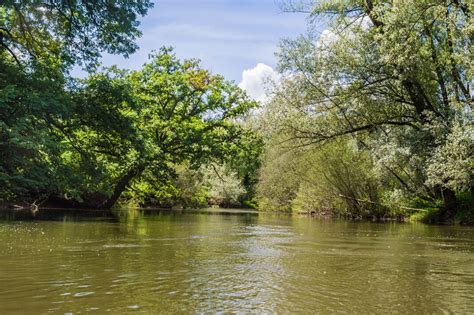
233, 261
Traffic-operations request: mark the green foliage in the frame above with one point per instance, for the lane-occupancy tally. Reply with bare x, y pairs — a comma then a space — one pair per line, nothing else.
243, 156
28, 147
58, 34
134, 125
332, 179
182, 188
465, 215
143, 133
452, 164
224, 187
40, 145
278, 183
395, 76
341, 180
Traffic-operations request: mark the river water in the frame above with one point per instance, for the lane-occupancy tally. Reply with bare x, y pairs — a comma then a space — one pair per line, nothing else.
230, 261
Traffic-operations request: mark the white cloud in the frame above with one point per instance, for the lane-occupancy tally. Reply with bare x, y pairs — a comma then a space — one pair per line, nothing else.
256, 81
327, 39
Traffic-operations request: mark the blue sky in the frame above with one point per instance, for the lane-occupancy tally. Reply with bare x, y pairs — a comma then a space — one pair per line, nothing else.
229, 36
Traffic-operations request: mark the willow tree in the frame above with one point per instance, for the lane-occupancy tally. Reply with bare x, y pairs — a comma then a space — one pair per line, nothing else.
396, 76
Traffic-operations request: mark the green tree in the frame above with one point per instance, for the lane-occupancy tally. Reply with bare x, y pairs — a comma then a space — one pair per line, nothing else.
30, 107
39, 42
135, 125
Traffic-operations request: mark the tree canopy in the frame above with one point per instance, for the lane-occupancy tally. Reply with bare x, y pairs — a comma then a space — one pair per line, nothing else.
83, 142
64, 33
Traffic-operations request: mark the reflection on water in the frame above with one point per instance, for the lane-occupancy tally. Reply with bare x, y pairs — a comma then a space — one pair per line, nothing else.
232, 261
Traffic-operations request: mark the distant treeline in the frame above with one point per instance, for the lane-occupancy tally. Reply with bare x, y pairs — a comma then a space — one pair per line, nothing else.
372, 117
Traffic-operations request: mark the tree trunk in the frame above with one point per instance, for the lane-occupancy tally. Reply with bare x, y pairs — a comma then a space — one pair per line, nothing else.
121, 185
449, 208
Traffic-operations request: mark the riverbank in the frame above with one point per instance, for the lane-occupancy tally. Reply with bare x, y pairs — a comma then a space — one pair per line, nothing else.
464, 215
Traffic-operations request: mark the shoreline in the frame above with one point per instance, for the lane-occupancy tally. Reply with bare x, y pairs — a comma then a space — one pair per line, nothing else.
23, 210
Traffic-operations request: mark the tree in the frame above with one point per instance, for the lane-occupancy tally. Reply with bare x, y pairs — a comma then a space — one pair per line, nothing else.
135, 125
393, 74
452, 164
29, 107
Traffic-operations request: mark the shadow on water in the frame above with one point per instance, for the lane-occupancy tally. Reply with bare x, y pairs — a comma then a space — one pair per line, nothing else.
57, 215
115, 215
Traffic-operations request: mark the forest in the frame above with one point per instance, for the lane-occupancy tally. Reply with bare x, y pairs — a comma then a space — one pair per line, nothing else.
370, 119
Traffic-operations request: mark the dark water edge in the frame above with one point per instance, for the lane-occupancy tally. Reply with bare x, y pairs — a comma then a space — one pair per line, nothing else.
112, 215
45, 210
28, 213
56, 214
118, 214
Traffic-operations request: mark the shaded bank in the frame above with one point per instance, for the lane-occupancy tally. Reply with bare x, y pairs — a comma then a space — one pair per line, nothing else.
110, 215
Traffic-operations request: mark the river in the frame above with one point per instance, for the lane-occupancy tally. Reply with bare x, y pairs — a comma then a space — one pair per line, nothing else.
230, 261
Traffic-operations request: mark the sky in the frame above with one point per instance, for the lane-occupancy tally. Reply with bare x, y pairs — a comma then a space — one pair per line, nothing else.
235, 38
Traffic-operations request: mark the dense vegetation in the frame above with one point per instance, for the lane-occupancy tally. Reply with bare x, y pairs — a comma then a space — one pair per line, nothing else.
373, 117
164, 135
375, 114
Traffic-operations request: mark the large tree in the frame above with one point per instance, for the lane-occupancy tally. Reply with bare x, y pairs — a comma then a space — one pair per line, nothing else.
135, 125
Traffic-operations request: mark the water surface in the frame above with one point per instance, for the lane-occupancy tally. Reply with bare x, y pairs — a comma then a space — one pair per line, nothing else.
210, 261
